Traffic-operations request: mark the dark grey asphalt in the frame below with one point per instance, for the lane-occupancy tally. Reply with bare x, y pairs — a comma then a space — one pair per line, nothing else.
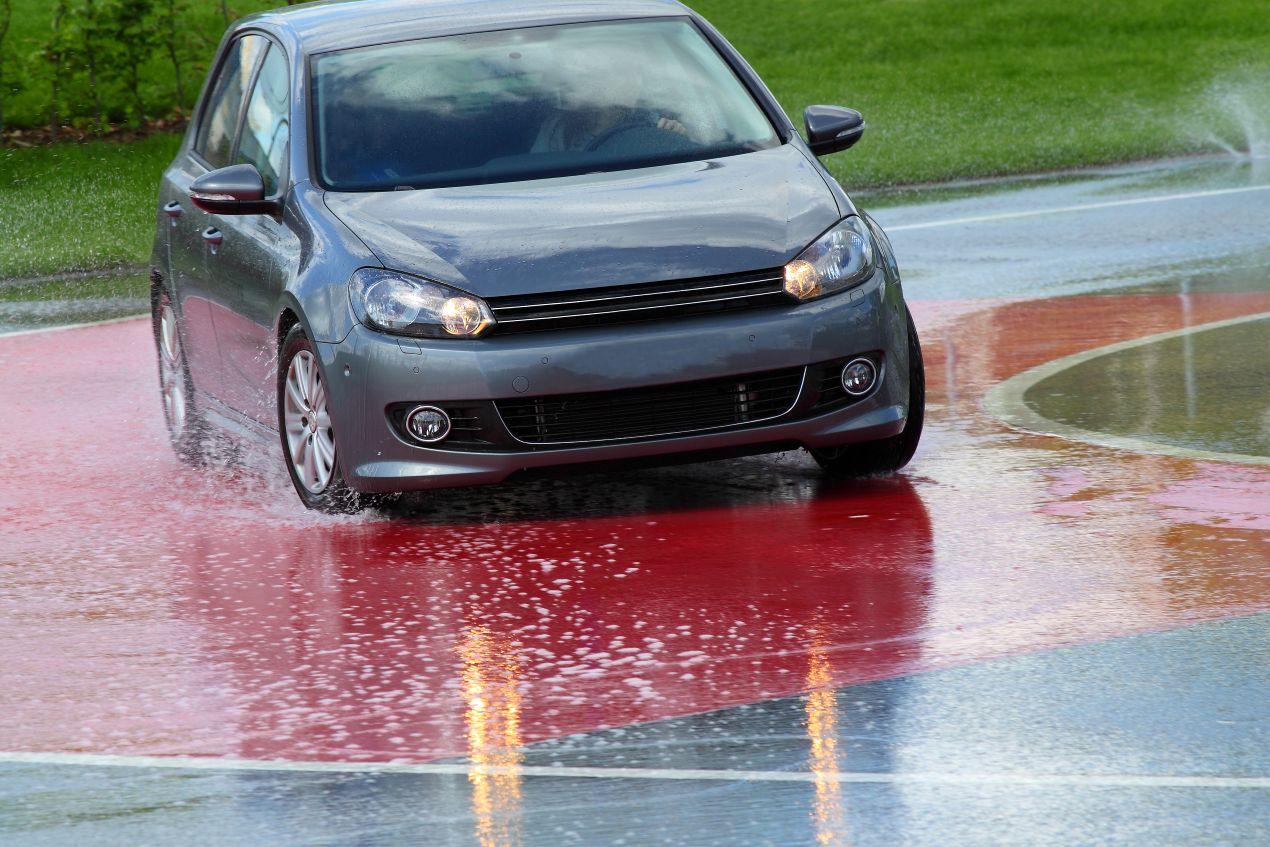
1185, 703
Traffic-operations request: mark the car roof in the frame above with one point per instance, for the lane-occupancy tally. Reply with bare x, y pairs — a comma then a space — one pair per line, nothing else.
340, 24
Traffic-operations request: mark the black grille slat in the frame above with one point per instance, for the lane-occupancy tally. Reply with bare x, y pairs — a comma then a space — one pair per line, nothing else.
633, 429
581, 417
580, 421
646, 423
655, 411
635, 311
695, 390
704, 402
637, 296
586, 410
641, 429
632, 303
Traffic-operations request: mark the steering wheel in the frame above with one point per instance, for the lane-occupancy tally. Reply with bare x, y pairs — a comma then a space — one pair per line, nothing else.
622, 129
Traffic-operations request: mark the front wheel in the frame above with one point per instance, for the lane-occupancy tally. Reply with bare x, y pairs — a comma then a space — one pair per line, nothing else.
886, 455
308, 437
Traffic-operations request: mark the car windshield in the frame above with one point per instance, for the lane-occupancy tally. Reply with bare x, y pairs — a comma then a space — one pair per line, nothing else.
528, 104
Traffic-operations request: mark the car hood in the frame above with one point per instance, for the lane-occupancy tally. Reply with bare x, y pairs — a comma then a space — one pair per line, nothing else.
733, 214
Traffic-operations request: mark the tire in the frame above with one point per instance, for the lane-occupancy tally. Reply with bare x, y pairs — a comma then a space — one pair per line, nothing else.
886, 455
186, 430
308, 439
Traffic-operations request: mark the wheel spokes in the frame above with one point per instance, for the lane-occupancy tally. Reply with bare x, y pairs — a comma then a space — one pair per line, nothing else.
294, 394
297, 435
307, 423
310, 464
301, 370
317, 400
325, 452
171, 372
310, 379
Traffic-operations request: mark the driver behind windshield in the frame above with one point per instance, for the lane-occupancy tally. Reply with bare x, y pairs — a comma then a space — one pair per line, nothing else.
526, 104
596, 106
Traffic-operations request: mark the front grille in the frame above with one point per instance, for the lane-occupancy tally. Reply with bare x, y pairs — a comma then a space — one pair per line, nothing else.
682, 408
629, 303
560, 421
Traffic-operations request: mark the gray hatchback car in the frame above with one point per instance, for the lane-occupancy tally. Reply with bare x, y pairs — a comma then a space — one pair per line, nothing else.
429, 244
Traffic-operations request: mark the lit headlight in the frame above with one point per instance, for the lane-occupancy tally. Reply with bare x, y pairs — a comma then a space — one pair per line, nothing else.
838, 259
408, 305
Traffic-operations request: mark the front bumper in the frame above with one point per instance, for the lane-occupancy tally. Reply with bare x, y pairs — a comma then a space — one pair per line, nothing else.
369, 372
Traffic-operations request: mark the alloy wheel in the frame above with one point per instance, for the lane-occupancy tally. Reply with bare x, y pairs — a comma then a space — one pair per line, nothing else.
310, 440
172, 384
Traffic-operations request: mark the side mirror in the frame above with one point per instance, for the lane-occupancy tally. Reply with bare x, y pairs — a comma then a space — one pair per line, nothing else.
832, 128
235, 190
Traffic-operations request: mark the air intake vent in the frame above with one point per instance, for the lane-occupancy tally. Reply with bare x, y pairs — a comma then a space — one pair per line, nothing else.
680, 409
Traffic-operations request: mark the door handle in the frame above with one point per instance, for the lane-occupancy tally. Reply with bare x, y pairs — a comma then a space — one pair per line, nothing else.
172, 210
213, 236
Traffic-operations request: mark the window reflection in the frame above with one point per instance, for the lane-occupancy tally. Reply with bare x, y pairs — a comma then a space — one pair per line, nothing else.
216, 134
530, 103
266, 129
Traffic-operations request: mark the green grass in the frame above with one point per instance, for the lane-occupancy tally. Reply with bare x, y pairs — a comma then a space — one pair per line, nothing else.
950, 88
120, 286
70, 206
970, 88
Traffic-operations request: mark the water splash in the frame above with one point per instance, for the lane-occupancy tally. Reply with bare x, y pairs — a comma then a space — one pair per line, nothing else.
1236, 117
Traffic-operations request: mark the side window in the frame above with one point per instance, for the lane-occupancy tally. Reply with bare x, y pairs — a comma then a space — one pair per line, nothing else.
215, 140
267, 127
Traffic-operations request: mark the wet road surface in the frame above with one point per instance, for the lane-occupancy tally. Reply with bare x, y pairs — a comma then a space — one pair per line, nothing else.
1208, 389
986, 754
1023, 638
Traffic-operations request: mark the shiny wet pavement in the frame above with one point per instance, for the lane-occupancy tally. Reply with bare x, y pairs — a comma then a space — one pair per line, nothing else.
732, 653
991, 753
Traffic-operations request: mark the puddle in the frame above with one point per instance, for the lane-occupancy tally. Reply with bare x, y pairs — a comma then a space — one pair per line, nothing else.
1207, 390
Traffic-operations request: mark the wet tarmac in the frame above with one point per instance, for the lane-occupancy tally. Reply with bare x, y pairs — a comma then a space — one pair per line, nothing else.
1024, 638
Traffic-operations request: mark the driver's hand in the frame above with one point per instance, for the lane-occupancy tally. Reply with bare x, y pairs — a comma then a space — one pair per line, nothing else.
672, 125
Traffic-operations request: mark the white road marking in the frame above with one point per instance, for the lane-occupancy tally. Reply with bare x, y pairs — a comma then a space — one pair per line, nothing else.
1004, 401
1086, 207
205, 763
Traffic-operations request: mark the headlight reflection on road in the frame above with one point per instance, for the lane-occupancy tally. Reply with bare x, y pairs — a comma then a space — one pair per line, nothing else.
490, 678
822, 730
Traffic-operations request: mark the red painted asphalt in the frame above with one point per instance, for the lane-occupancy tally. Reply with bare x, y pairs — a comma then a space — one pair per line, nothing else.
149, 608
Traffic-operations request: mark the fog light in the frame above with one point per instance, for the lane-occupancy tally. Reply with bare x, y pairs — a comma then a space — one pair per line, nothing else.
858, 376
427, 424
